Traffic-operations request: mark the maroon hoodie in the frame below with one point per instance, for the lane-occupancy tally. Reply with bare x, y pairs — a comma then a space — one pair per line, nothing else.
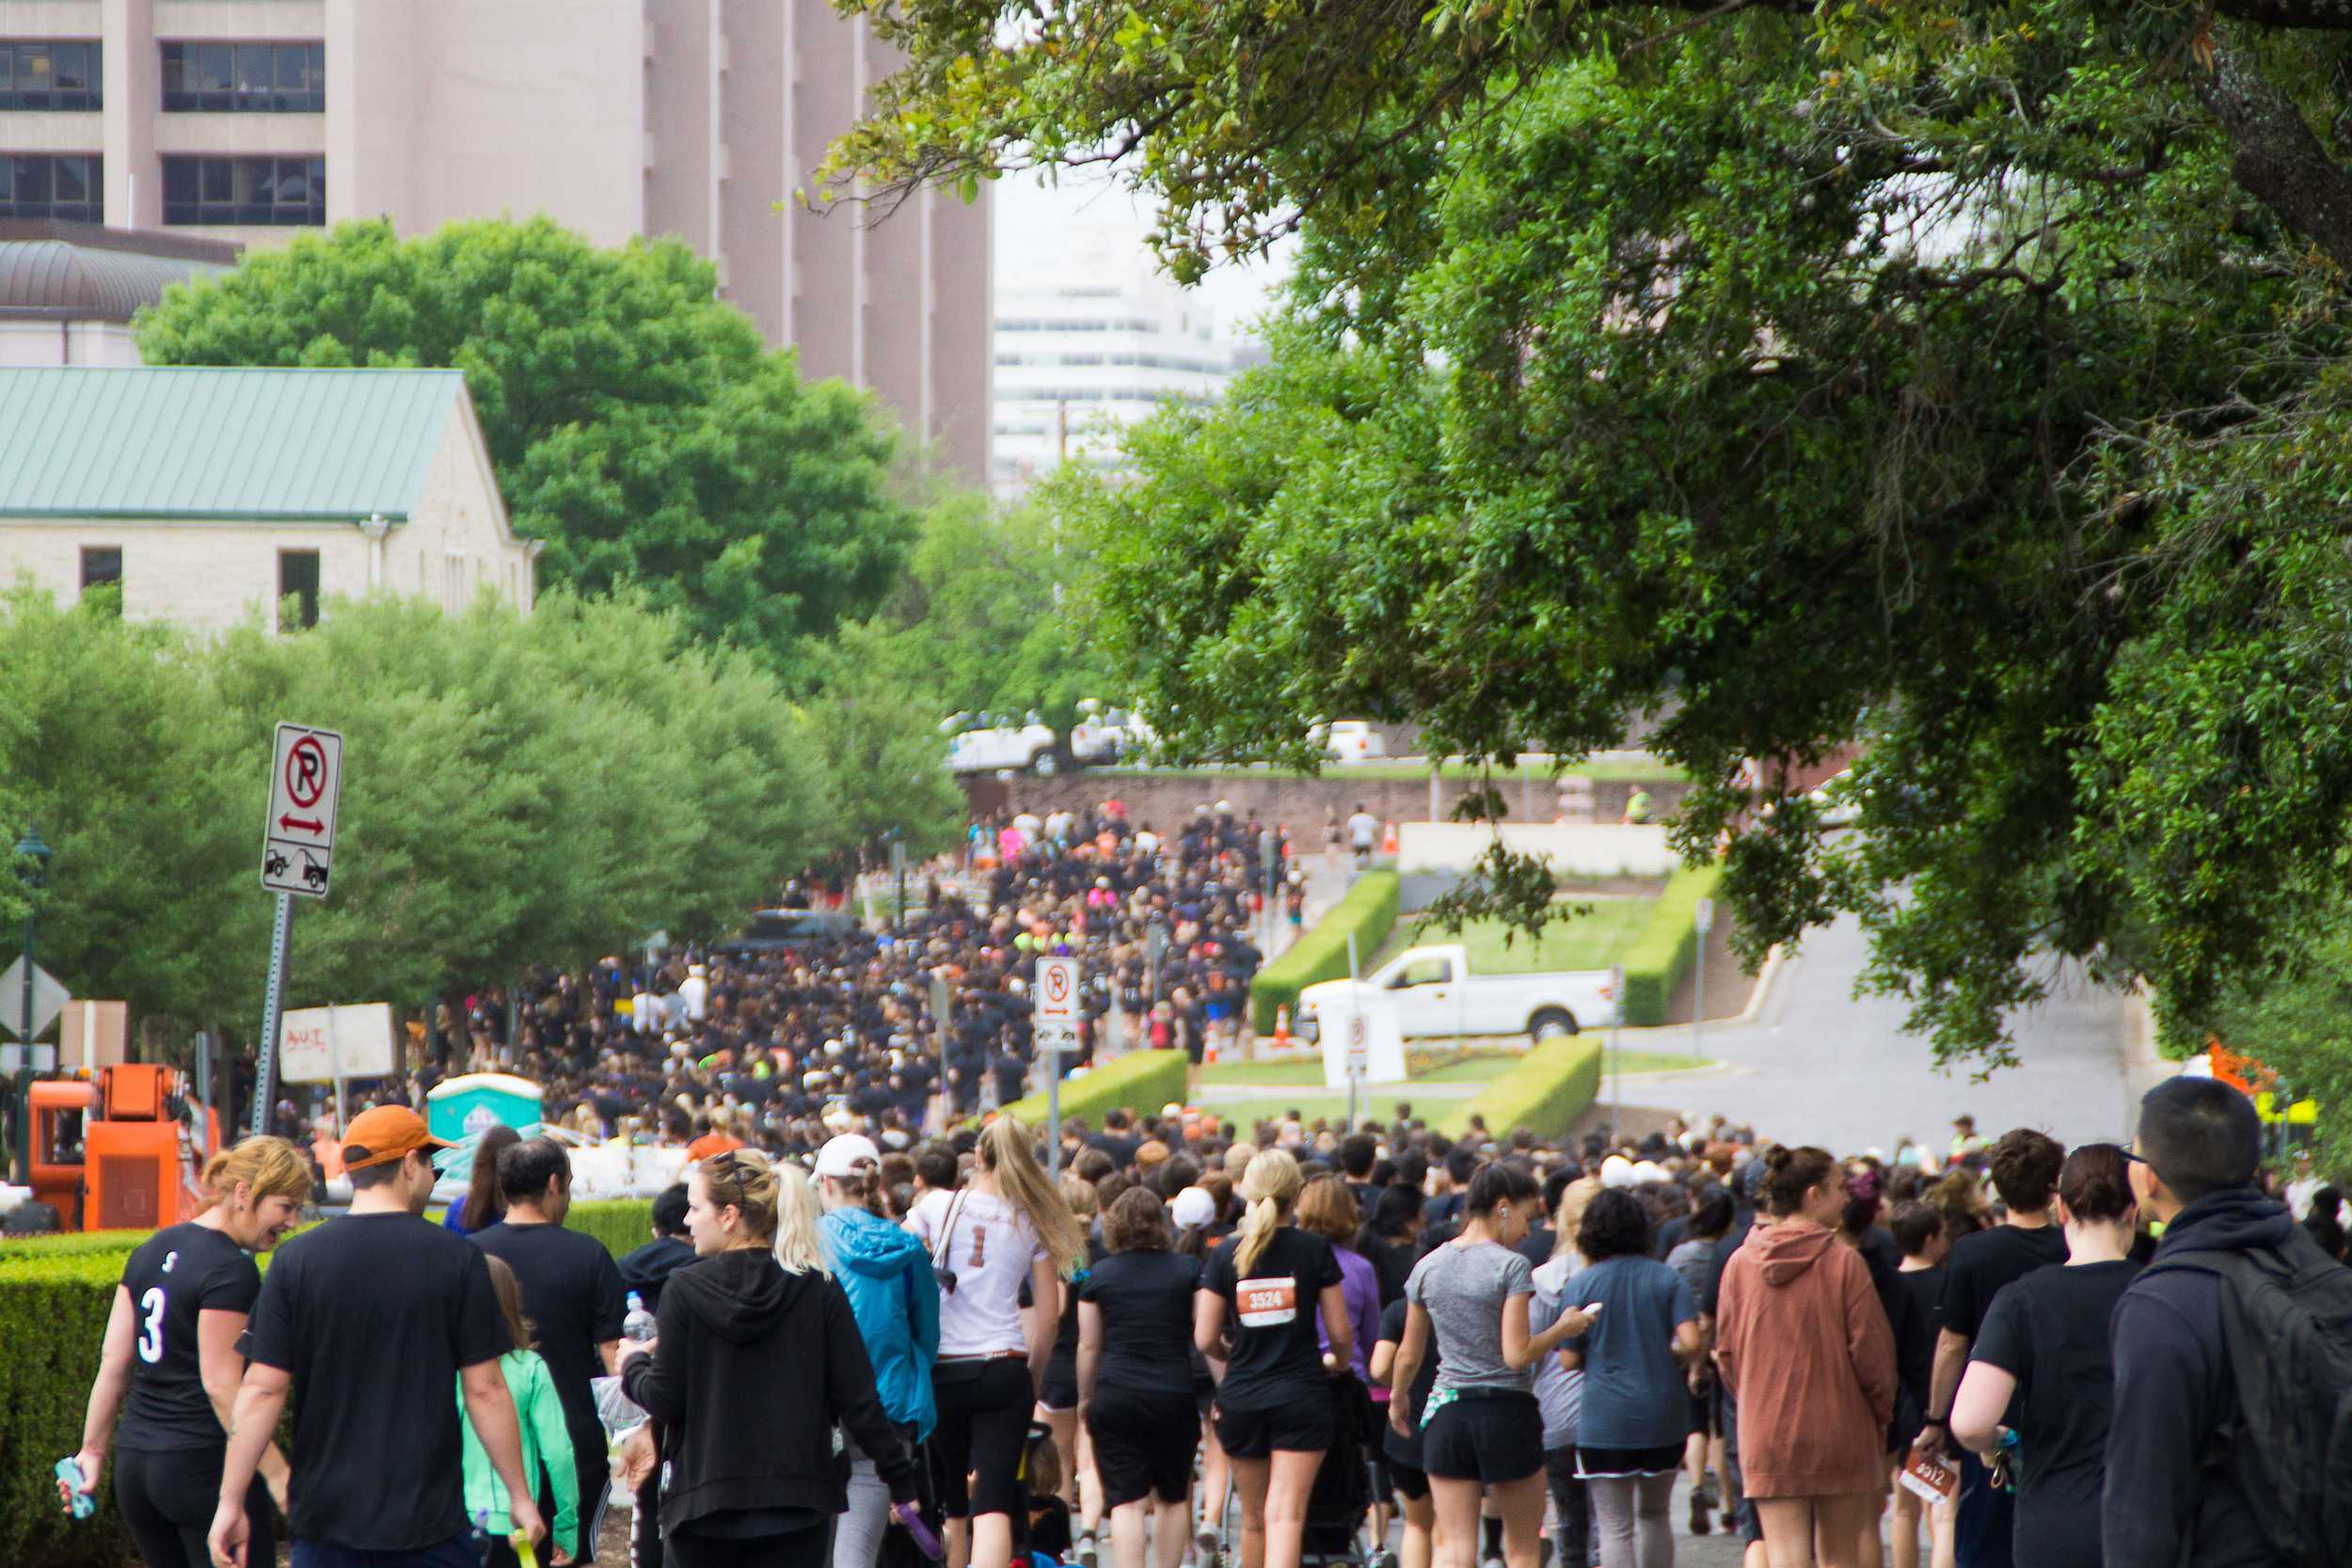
1806, 1350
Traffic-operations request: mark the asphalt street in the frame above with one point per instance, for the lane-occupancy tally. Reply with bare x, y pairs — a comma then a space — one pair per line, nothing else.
1820, 1065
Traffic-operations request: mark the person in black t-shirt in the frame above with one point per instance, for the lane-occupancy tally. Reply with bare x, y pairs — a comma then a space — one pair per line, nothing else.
366, 1320
1275, 1410
1135, 1376
2044, 1360
1402, 1450
170, 1365
645, 1269
1919, 1232
572, 1295
2025, 1172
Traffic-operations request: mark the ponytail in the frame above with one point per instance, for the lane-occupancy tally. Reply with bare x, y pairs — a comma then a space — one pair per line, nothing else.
1005, 1153
1270, 1186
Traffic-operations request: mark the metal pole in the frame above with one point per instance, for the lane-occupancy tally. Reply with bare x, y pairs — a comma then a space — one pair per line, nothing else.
1698, 998
335, 1044
1052, 1110
273, 1001
899, 863
24, 1062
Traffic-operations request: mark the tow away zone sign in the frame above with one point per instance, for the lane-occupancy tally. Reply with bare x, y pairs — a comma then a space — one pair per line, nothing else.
305, 783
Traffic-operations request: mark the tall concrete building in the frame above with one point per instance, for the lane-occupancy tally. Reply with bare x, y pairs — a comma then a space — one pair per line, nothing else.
246, 119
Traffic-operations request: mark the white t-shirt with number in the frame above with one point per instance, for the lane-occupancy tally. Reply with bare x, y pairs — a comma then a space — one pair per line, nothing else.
989, 1246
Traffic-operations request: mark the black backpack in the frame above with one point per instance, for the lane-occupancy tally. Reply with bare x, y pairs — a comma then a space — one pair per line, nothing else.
2286, 1318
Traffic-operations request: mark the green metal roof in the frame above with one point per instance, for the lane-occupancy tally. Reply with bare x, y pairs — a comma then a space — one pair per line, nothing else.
158, 442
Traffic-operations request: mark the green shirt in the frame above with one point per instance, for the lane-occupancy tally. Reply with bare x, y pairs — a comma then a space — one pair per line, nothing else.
545, 1443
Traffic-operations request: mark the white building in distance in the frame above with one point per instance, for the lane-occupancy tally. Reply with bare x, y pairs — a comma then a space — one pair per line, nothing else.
1092, 337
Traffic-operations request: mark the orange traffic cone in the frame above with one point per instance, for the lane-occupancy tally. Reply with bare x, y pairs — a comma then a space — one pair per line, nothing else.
1281, 1027
1208, 1049
1388, 840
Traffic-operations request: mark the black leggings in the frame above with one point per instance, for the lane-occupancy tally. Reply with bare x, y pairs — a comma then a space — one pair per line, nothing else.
801, 1548
167, 1498
983, 1425
1574, 1505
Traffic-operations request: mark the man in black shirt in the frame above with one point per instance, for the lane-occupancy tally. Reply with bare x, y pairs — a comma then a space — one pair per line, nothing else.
2025, 1168
645, 1269
573, 1297
369, 1318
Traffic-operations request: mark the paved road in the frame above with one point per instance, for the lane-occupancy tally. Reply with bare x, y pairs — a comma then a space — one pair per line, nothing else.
1820, 1065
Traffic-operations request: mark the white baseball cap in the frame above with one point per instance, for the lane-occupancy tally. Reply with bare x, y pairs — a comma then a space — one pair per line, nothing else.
842, 1156
1192, 1207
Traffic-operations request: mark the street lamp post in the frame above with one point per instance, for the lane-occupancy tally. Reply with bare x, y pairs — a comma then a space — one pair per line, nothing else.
32, 857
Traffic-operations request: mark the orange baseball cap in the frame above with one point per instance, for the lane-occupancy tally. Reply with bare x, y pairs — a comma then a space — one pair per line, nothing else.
384, 1135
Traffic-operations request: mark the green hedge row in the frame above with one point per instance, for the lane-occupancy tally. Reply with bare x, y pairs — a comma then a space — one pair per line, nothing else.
1549, 1088
1369, 910
1669, 945
1142, 1082
55, 1294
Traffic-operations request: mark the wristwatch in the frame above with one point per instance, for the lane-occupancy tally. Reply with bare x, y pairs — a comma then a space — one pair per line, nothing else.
1944, 1422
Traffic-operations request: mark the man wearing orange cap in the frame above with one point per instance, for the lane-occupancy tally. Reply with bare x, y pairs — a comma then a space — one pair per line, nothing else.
367, 1320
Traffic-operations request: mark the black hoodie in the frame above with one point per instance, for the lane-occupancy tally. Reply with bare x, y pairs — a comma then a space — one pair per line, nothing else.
2173, 1388
752, 1367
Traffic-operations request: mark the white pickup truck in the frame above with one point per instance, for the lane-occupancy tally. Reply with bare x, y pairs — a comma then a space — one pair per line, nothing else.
1431, 991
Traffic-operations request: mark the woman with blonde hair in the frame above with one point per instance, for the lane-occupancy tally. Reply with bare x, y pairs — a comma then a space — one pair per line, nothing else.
1007, 1224
756, 1358
1272, 1282
546, 1441
170, 1368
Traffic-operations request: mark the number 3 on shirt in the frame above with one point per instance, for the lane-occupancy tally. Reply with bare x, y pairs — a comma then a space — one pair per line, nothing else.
151, 1331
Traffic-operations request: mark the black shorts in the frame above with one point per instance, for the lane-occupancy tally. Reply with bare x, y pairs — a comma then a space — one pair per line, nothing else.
1484, 1436
168, 1496
1302, 1426
983, 1427
1605, 1462
1060, 1391
1143, 1445
1410, 1480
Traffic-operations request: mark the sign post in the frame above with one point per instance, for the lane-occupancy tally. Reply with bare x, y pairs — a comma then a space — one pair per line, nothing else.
1359, 1057
1617, 1058
944, 1025
1706, 922
306, 786
1055, 1020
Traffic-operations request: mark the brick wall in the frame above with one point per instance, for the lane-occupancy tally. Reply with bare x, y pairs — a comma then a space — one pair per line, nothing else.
1298, 804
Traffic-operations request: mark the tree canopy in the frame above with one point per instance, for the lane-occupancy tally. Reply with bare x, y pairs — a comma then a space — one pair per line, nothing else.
1964, 383
637, 422
519, 791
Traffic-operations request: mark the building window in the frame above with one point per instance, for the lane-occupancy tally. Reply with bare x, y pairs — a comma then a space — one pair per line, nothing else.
45, 186
245, 78
102, 568
246, 192
298, 580
49, 74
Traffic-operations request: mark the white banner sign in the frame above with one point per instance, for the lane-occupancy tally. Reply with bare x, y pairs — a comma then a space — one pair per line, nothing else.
319, 1045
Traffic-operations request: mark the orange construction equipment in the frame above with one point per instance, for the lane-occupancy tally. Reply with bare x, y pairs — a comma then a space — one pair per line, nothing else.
116, 1154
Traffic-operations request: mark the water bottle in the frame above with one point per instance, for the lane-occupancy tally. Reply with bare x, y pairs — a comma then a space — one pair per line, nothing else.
639, 1324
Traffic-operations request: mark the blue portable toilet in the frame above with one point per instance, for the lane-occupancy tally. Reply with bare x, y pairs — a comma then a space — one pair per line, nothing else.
467, 1108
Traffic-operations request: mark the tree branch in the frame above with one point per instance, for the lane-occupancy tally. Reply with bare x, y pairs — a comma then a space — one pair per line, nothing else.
2279, 160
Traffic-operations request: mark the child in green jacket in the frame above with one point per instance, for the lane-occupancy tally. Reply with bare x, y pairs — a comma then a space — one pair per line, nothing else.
546, 1442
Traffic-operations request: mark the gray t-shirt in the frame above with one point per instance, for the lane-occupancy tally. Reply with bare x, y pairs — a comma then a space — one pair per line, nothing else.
1462, 1290
1694, 1260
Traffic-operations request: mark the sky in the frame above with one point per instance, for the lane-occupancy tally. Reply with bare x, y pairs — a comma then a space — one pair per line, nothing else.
1036, 222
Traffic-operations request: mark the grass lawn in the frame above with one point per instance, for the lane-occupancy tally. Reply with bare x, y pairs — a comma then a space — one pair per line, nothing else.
1308, 1075
1613, 771
1325, 1104
1593, 940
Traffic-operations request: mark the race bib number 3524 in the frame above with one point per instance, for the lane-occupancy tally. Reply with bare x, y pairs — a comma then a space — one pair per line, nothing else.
1266, 1303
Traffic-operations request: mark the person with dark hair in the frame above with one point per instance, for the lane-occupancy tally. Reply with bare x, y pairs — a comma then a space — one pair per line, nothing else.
367, 1317
1358, 1153
1482, 1430
1919, 1231
1634, 1418
646, 1270
1391, 1238
1135, 1377
572, 1293
1693, 1260
2025, 1166
480, 1206
2039, 1374
2177, 1391
2326, 1222
1805, 1353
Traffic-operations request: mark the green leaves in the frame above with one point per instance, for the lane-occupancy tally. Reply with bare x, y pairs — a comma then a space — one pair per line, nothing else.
638, 424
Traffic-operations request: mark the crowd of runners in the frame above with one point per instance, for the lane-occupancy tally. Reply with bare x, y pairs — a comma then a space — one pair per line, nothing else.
1386, 1347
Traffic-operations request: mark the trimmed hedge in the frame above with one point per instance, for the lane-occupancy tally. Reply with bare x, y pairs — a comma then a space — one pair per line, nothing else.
622, 1224
1370, 911
1142, 1082
1555, 1083
1669, 945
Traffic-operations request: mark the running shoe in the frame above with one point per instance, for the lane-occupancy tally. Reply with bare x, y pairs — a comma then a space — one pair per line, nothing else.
1086, 1550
